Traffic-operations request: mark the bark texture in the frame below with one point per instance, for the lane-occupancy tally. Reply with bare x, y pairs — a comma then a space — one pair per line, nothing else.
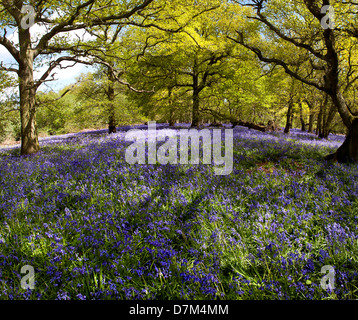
348, 151
29, 136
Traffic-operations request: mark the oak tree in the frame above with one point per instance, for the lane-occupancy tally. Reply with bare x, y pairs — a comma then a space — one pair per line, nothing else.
57, 19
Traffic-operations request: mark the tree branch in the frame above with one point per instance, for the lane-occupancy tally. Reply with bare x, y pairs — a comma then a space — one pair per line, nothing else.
69, 25
279, 62
263, 19
57, 63
10, 47
2, 67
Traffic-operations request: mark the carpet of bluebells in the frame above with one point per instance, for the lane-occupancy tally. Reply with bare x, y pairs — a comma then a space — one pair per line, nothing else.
95, 227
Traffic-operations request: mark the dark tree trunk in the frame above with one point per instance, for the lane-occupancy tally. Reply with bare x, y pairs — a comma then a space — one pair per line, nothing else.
195, 113
289, 117
319, 130
328, 121
325, 119
319, 125
271, 126
310, 122
249, 125
111, 110
171, 108
348, 151
292, 119
171, 122
253, 114
311, 117
196, 91
112, 128
303, 124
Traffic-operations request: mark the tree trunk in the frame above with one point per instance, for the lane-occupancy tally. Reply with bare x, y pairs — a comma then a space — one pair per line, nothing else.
171, 108
196, 100
271, 126
112, 112
303, 124
328, 121
171, 119
289, 117
250, 125
320, 119
319, 131
310, 122
292, 119
325, 119
348, 151
311, 117
112, 124
29, 135
195, 113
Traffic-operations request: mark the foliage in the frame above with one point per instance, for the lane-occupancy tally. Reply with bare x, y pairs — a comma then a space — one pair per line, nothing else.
83, 105
174, 52
196, 62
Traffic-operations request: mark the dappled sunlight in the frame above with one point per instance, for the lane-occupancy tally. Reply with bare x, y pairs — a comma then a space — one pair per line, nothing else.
178, 231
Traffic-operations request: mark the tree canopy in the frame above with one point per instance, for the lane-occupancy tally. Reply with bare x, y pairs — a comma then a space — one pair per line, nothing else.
245, 62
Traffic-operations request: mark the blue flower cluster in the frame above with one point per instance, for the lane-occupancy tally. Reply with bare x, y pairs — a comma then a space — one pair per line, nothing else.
95, 227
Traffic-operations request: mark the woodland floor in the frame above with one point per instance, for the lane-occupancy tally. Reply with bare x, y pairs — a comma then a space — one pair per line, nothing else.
95, 227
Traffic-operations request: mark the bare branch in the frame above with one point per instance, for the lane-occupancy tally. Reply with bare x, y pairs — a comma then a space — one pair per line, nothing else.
69, 25
263, 19
10, 47
57, 63
2, 67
